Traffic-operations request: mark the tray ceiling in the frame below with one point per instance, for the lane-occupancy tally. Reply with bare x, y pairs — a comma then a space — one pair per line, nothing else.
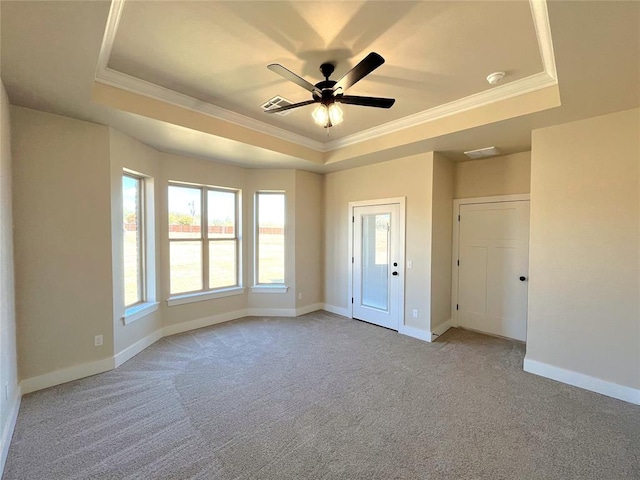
217, 52
61, 57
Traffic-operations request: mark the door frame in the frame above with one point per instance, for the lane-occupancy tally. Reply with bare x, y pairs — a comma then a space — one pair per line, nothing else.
455, 247
401, 201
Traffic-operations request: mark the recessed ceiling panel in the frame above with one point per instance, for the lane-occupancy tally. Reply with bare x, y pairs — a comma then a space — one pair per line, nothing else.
218, 52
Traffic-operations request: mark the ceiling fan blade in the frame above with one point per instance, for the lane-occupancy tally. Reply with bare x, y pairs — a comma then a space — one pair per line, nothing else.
361, 70
292, 77
293, 105
366, 101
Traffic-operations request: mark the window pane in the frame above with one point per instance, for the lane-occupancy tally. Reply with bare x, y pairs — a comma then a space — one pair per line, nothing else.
221, 212
185, 212
375, 261
222, 264
185, 266
383, 222
270, 238
132, 240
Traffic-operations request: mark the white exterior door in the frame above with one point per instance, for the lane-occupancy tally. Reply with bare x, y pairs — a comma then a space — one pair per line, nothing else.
493, 256
376, 264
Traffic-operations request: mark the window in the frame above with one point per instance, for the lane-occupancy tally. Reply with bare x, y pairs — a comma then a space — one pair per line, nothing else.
138, 256
270, 238
203, 239
133, 239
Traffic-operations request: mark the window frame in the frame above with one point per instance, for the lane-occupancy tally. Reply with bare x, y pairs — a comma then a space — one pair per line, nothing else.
142, 241
258, 287
206, 293
146, 204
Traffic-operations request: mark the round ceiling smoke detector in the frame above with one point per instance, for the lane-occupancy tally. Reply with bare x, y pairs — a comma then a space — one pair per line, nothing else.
495, 77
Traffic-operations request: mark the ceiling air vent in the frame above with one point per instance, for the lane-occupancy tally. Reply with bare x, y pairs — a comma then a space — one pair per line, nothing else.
277, 102
483, 152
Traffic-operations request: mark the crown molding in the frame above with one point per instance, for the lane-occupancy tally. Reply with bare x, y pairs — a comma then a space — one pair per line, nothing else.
541, 23
513, 89
538, 81
115, 12
135, 85
117, 79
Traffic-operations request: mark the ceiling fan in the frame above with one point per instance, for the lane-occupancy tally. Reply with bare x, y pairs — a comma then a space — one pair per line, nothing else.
329, 93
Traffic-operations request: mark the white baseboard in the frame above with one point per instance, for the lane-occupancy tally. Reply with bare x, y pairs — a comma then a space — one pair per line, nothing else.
415, 333
271, 312
65, 375
440, 329
77, 372
226, 317
202, 322
308, 309
426, 335
581, 380
131, 351
337, 310
8, 428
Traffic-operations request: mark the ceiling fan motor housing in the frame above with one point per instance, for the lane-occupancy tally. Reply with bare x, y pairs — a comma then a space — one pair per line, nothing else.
327, 69
328, 95
326, 86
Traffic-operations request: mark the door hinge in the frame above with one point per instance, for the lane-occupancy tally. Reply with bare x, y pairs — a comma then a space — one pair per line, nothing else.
456, 306
353, 219
352, 260
458, 217
458, 262
351, 299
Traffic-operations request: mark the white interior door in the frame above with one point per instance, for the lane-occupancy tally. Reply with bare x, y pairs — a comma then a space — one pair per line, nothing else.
376, 264
493, 270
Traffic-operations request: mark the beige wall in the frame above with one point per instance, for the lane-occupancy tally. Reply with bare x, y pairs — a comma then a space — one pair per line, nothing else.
506, 175
441, 239
309, 219
126, 152
68, 190
8, 353
409, 177
61, 194
584, 307
584, 290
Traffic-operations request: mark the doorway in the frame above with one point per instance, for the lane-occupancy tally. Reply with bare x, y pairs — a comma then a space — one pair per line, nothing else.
377, 262
491, 238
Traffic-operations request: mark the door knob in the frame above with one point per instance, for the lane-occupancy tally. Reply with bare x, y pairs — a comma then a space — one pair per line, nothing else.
394, 273
522, 279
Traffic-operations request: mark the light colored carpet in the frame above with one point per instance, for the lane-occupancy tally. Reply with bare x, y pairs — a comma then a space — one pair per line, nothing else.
323, 397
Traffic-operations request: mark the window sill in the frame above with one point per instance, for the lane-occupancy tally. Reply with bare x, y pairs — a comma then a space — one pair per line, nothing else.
269, 289
202, 296
139, 311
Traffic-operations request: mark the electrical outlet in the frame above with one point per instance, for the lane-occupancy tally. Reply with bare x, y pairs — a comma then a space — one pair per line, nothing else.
409, 263
300, 296
97, 341
415, 313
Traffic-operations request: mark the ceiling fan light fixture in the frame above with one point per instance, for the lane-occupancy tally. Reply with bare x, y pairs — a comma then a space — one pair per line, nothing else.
327, 116
321, 115
335, 114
